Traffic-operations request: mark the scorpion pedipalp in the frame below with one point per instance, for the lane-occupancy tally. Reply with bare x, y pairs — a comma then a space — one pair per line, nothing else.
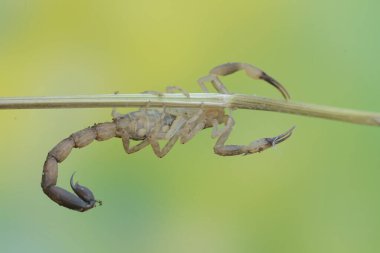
232, 67
254, 147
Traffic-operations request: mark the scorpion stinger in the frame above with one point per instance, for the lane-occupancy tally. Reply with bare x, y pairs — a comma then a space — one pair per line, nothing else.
148, 127
83, 192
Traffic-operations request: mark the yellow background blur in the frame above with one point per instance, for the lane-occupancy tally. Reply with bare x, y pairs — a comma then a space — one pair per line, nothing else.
316, 192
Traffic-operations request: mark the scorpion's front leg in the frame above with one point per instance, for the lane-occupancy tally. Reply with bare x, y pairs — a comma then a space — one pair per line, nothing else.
229, 68
84, 199
256, 146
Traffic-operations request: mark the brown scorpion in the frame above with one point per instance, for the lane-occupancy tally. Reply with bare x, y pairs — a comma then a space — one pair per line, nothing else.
148, 126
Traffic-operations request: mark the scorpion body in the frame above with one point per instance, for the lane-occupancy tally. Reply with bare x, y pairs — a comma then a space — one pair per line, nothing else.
149, 126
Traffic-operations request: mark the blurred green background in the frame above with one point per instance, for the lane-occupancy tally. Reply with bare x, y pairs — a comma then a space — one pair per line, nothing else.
316, 192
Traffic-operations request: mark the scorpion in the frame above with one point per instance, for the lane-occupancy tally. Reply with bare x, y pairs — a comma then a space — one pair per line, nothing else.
149, 126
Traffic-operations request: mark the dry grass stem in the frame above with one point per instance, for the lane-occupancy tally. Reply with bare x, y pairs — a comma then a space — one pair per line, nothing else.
233, 101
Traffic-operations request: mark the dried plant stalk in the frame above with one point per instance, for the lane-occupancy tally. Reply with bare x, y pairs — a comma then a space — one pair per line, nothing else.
233, 101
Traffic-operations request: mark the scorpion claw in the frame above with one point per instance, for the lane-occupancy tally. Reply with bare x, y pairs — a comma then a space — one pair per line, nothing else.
83, 192
265, 143
276, 84
282, 137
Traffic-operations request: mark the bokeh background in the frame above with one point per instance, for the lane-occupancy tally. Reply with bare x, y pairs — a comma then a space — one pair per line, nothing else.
316, 192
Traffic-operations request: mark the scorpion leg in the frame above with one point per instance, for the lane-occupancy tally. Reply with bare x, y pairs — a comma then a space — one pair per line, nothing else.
153, 92
216, 132
256, 146
186, 136
83, 199
195, 124
250, 70
172, 135
169, 89
218, 85
168, 146
137, 147
172, 89
123, 134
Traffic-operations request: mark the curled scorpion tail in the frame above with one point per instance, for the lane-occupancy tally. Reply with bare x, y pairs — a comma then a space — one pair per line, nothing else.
83, 199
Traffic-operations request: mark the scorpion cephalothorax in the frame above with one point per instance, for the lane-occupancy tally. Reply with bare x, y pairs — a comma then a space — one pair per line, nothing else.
148, 126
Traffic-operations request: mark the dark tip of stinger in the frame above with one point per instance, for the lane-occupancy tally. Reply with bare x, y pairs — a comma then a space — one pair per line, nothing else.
71, 181
276, 84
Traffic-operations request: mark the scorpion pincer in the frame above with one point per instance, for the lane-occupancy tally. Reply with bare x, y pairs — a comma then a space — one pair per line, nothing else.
148, 127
